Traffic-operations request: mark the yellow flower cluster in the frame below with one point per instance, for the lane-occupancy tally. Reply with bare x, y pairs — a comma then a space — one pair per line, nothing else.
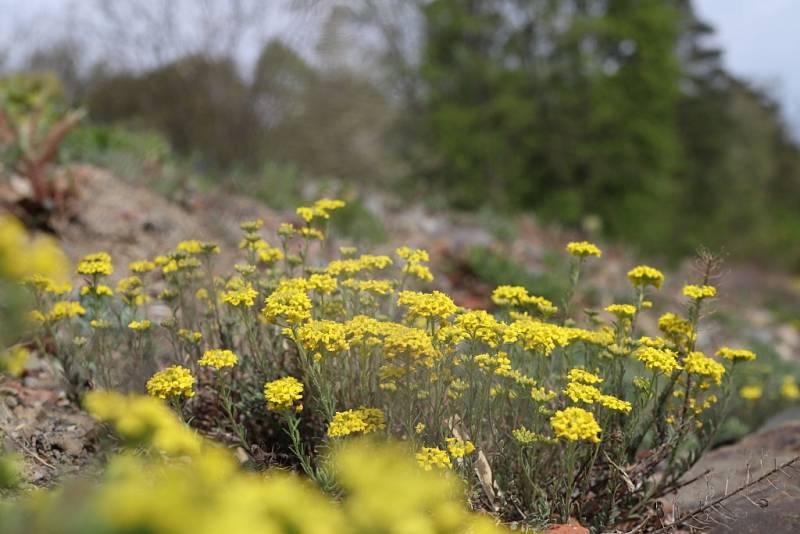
751, 393
663, 360
523, 436
622, 310
699, 292
378, 287
21, 255
239, 292
480, 325
539, 336
98, 263
281, 394
144, 324
351, 266
131, 290
676, 328
64, 309
172, 382
141, 266
192, 336
46, 284
143, 421
361, 421
100, 290
789, 389
643, 275
736, 354
518, 296
323, 284
321, 209
581, 375
13, 360
575, 424
193, 246
588, 394
322, 335
434, 305
414, 259
459, 448
289, 302
218, 358
700, 364
582, 249
430, 458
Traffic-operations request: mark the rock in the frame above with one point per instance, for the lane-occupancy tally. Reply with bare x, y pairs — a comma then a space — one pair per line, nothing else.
772, 505
70, 445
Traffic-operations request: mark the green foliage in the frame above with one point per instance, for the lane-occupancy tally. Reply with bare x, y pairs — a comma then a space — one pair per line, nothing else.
617, 109
358, 223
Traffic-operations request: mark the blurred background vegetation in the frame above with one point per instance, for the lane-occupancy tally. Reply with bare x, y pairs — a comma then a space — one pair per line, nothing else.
613, 115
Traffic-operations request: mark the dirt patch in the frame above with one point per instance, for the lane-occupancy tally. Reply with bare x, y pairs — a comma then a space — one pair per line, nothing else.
54, 438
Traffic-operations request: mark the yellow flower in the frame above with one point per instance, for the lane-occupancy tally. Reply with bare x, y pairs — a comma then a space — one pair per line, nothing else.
218, 358
676, 328
175, 381
139, 325
323, 284
414, 259
316, 336
575, 424
751, 393
190, 336
582, 249
282, 393
142, 420
581, 375
251, 226
736, 354
142, 266
13, 360
427, 305
613, 403
22, 256
540, 394
289, 301
622, 310
378, 287
459, 448
646, 276
663, 360
361, 421
430, 458
700, 364
518, 296
699, 292
321, 209
420, 428
46, 284
239, 292
97, 263
100, 290
65, 309
789, 389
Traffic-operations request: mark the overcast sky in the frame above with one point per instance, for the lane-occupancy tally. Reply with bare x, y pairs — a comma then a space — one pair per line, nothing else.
760, 39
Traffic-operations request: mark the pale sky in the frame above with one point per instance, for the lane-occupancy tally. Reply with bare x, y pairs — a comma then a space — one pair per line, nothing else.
760, 38
761, 42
